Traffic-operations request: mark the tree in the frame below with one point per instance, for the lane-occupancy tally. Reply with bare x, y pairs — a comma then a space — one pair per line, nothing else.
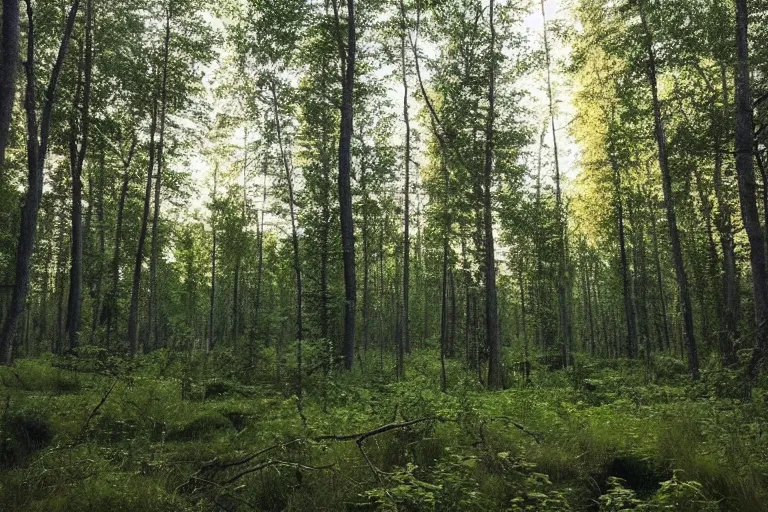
77, 159
154, 331
347, 56
669, 203
9, 61
495, 377
37, 149
565, 329
133, 314
406, 192
746, 174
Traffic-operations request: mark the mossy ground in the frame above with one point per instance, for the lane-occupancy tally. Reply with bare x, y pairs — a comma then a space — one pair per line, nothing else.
673, 443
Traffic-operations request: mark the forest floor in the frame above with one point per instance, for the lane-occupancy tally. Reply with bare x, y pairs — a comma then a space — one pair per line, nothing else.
170, 431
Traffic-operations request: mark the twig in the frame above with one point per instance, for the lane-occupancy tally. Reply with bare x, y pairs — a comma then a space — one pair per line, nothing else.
359, 438
362, 436
270, 463
95, 411
215, 464
535, 435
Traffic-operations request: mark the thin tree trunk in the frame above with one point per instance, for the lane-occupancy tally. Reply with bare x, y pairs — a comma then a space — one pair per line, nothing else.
590, 314
133, 314
467, 309
366, 250
665, 341
345, 191
37, 148
43, 313
296, 255
453, 317
629, 308
9, 61
444, 285
723, 221
641, 280
260, 264
444, 312
75, 303
523, 321
539, 242
115, 271
235, 303
669, 203
562, 271
212, 304
98, 290
746, 173
154, 303
495, 377
713, 258
61, 262
406, 191
382, 291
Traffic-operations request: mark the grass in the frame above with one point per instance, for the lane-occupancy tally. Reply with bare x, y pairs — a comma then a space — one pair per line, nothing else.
151, 443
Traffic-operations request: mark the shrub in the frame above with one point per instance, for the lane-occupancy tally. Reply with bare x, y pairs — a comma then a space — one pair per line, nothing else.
21, 434
202, 427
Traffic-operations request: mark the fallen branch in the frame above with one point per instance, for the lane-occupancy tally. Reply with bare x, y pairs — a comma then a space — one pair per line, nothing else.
271, 463
215, 465
362, 436
535, 435
94, 412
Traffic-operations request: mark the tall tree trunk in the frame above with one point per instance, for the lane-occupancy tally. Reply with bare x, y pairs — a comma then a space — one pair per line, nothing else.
37, 148
115, 270
539, 243
238, 259
9, 61
723, 222
444, 313
43, 312
212, 304
154, 303
453, 318
296, 255
60, 285
629, 307
495, 377
713, 258
235, 303
524, 322
61, 263
382, 291
444, 286
641, 281
565, 327
669, 203
260, 261
746, 173
424, 288
345, 189
406, 190
133, 313
102, 254
590, 315
366, 253
665, 341
75, 304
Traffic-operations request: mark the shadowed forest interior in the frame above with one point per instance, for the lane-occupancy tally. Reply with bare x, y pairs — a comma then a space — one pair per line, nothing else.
384, 255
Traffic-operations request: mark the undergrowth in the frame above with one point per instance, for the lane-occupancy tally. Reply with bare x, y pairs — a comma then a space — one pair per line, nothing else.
196, 432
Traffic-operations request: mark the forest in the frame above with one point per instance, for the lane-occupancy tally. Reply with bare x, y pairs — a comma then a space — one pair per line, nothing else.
384, 255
